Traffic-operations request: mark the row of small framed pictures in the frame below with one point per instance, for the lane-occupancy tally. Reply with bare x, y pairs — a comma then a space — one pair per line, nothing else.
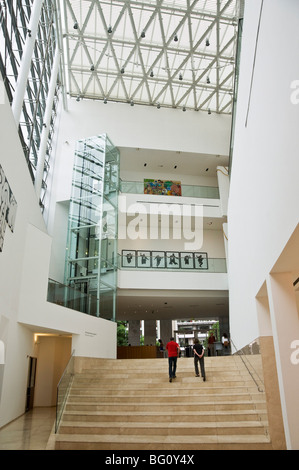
164, 259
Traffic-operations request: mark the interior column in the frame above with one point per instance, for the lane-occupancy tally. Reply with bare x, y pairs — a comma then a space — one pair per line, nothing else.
276, 427
285, 327
134, 333
165, 331
149, 332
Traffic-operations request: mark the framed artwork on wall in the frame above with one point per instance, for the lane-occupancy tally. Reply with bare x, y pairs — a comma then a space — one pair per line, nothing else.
158, 259
201, 261
144, 259
172, 260
8, 206
128, 258
162, 187
187, 260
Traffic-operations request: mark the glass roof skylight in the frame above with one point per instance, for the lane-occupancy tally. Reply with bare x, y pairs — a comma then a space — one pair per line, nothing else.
172, 53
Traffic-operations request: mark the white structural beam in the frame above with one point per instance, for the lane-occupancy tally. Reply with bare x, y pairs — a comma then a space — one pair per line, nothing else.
26, 60
46, 124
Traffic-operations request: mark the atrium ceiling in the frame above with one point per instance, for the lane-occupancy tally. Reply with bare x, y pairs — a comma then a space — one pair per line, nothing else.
163, 53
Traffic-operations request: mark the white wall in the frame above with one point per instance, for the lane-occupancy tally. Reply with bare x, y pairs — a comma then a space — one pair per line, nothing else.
138, 127
139, 210
264, 190
213, 244
173, 281
18, 341
24, 272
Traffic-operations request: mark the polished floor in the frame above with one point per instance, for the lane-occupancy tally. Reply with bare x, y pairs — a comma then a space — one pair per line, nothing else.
29, 432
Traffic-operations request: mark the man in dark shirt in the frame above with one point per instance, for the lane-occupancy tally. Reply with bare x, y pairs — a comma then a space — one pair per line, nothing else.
173, 349
199, 356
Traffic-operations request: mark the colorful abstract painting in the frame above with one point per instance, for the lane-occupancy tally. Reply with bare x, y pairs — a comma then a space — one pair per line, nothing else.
162, 187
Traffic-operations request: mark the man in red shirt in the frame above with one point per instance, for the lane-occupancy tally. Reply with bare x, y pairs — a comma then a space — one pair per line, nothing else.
173, 350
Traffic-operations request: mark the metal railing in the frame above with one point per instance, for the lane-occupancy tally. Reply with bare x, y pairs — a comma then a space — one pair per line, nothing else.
250, 368
63, 389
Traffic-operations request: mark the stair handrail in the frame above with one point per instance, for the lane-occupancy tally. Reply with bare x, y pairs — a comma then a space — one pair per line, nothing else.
67, 374
242, 356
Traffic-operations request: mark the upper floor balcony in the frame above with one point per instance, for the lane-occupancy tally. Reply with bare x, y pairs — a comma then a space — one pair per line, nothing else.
194, 191
171, 270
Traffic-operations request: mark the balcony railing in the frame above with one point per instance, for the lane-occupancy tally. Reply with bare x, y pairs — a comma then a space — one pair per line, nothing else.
69, 297
170, 261
137, 187
75, 299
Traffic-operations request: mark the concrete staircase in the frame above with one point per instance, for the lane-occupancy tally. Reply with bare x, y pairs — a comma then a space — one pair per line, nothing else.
130, 405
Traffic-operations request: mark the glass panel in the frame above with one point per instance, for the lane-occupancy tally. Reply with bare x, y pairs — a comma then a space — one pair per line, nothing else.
107, 301
16, 18
93, 220
159, 260
76, 296
63, 389
137, 187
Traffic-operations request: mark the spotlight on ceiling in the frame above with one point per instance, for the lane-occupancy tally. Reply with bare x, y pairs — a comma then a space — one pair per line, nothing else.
76, 26
78, 98
109, 30
208, 80
207, 42
92, 68
105, 101
209, 111
122, 70
158, 106
143, 34
132, 103
180, 77
152, 74
175, 38
184, 108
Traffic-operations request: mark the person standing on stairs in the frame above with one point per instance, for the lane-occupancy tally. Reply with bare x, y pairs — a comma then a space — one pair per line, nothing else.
199, 352
173, 350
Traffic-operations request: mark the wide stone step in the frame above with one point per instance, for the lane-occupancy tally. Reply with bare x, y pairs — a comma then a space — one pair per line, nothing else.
179, 429
112, 442
166, 417
173, 407
160, 372
130, 405
171, 391
159, 398
187, 382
